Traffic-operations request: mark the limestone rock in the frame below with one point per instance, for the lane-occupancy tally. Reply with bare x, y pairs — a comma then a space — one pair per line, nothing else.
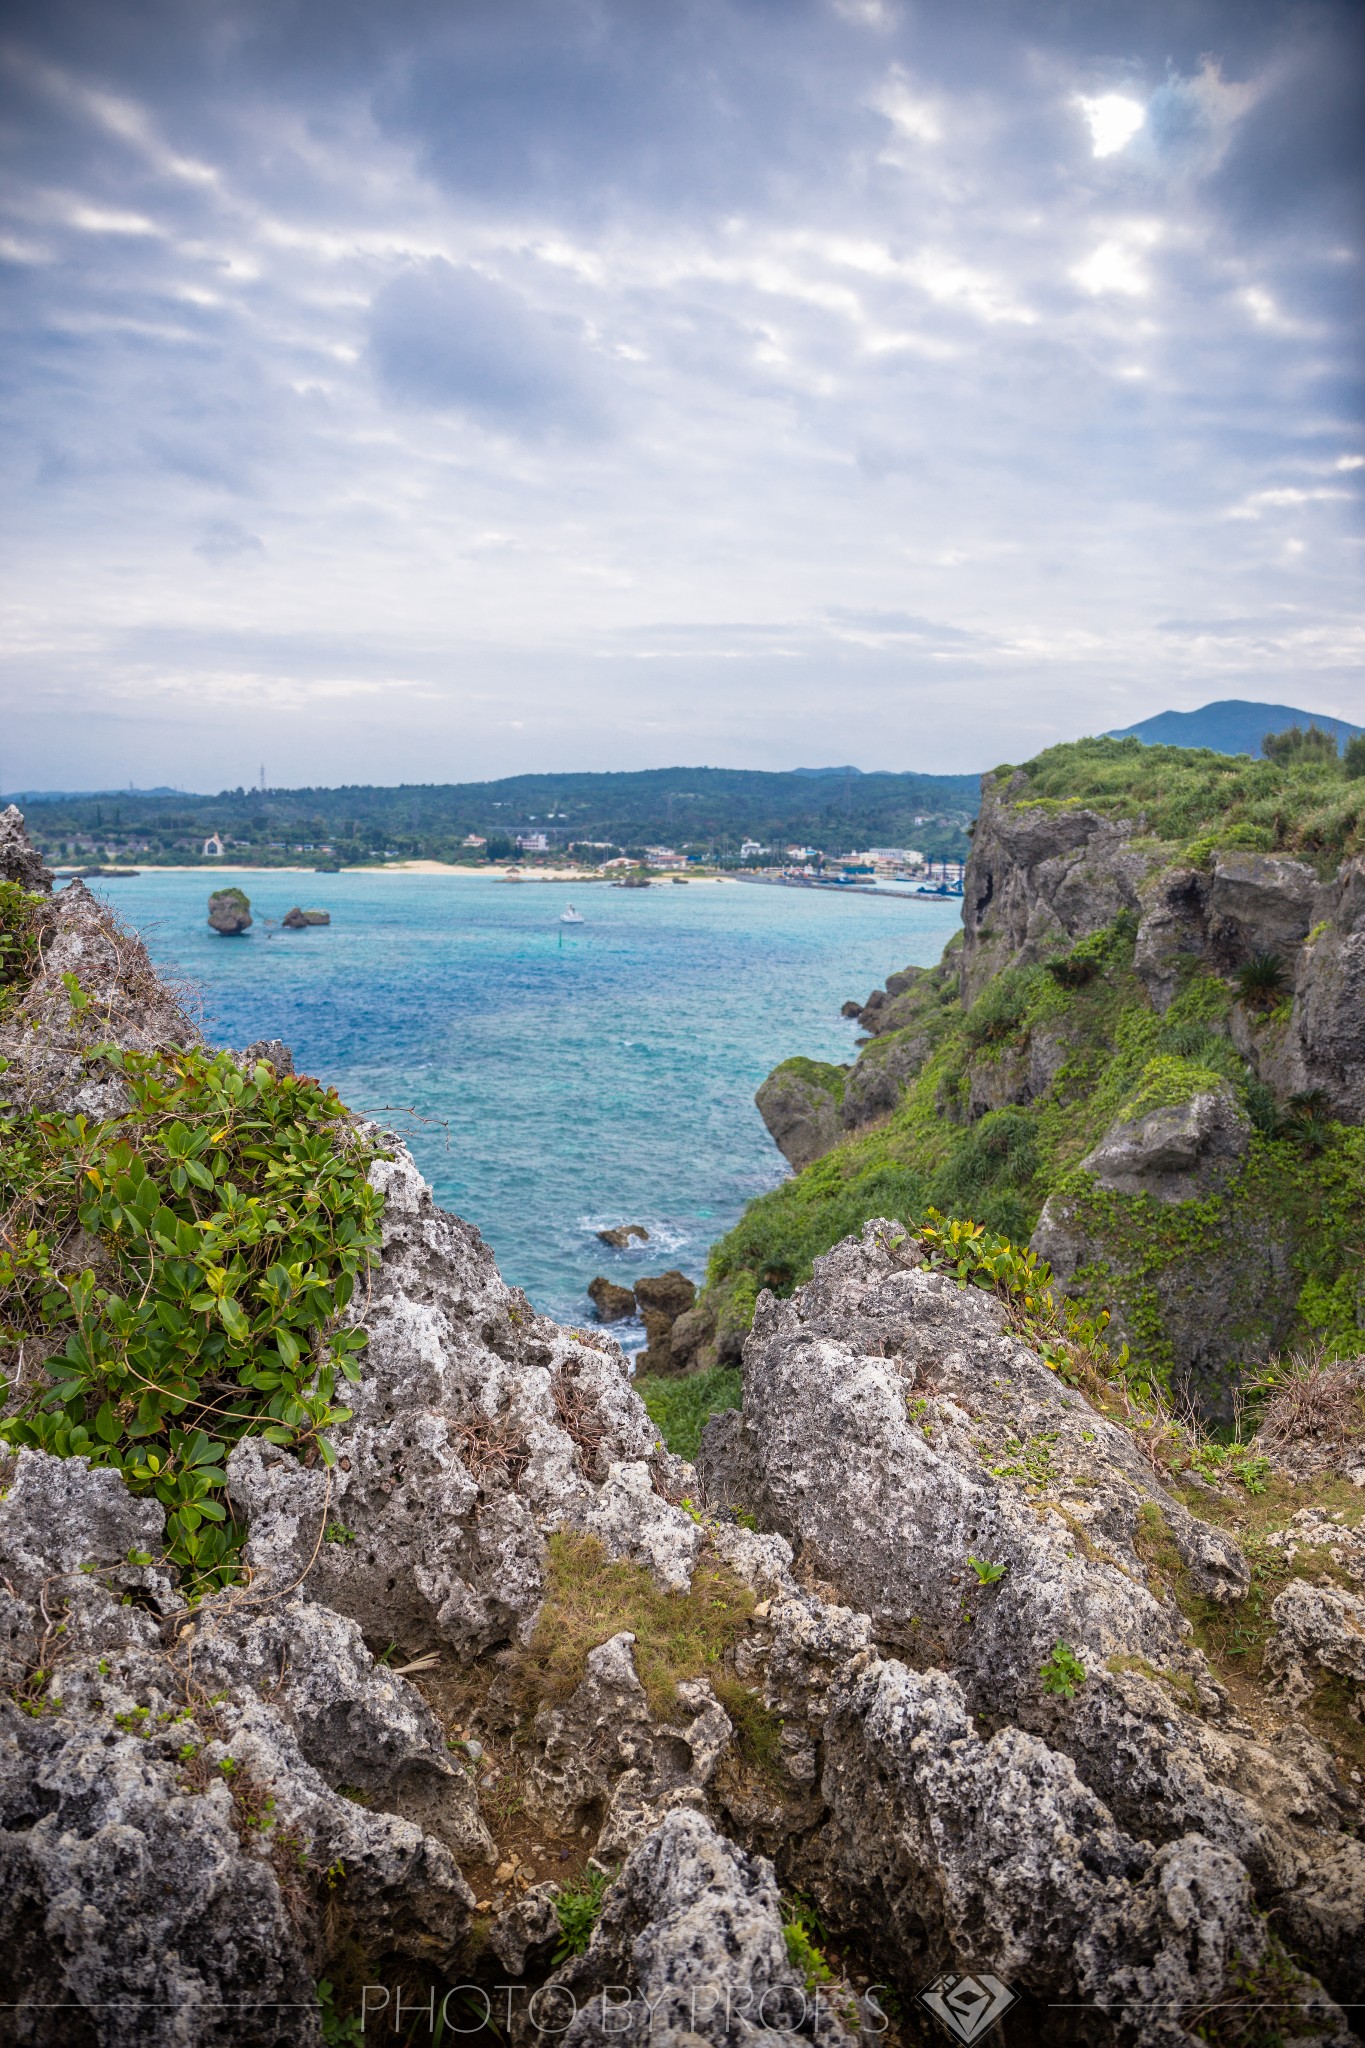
693, 1928
229, 912
1257, 903
297, 920
1174, 1153
1328, 1043
613, 1304
1319, 1632
1037, 880
803, 1118
20, 860
164, 1838
881, 1075
892, 1428
49, 1045
620, 1236
603, 1758
661, 1298
272, 1050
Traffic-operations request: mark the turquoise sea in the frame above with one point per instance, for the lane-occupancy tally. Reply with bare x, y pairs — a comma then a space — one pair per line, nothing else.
555, 1079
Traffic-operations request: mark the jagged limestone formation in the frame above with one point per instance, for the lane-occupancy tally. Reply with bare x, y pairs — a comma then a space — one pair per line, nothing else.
507, 1652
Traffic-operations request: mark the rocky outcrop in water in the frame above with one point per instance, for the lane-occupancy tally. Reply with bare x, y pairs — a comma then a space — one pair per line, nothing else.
619, 1237
297, 920
662, 1298
229, 912
613, 1304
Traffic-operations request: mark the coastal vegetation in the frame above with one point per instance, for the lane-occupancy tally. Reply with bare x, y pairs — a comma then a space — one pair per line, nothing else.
1307, 801
1008, 1080
181, 1270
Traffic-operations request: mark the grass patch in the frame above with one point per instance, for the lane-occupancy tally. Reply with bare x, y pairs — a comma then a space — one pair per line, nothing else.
1305, 805
590, 1596
680, 1404
758, 1730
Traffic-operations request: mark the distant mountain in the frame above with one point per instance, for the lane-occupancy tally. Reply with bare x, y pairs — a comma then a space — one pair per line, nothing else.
846, 770
58, 796
1233, 726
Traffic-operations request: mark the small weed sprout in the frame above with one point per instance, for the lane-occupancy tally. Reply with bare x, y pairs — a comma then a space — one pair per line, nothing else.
986, 1573
800, 1924
1063, 1672
336, 2031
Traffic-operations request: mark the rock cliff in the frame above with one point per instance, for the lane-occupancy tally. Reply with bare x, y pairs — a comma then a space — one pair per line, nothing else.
507, 1713
1144, 1053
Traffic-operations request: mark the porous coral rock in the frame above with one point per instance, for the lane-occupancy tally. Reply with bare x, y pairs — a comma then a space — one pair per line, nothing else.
1114, 1849
168, 1850
49, 1044
690, 1948
892, 1430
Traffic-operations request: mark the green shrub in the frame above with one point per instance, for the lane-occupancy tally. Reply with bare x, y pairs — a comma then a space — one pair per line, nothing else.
1353, 757
1263, 982
1296, 745
232, 1213
578, 1908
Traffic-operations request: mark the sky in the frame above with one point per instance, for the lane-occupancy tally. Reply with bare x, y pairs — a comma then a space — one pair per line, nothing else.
452, 388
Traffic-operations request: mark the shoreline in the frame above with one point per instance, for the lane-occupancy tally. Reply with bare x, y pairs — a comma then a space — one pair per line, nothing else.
412, 867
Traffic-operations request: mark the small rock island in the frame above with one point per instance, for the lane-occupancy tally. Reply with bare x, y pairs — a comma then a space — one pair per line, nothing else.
229, 912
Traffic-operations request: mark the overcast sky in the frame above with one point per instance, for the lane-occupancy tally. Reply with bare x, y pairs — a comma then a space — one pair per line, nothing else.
443, 388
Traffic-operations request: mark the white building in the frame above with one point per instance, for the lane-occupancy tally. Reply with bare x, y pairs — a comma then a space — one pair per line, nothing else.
751, 849
213, 847
532, 842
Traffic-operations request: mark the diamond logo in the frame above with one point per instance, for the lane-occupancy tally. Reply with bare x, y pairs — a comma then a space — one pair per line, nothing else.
968, 2006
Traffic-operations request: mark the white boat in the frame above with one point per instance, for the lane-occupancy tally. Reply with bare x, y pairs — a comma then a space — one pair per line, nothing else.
571, 916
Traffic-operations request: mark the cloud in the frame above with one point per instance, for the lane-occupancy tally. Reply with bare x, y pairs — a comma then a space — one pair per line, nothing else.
223, 540
747, 379
448, 338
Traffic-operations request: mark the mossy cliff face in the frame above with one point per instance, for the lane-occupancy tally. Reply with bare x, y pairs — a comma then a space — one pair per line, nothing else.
1145, 1053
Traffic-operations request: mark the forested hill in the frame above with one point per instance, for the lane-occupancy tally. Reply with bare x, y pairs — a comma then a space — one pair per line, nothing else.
707, 810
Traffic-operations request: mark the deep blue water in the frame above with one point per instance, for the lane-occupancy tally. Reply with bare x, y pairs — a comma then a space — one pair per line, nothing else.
574, 1077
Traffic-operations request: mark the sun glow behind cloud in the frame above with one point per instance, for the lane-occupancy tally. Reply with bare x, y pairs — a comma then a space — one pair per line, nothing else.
1114, 120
